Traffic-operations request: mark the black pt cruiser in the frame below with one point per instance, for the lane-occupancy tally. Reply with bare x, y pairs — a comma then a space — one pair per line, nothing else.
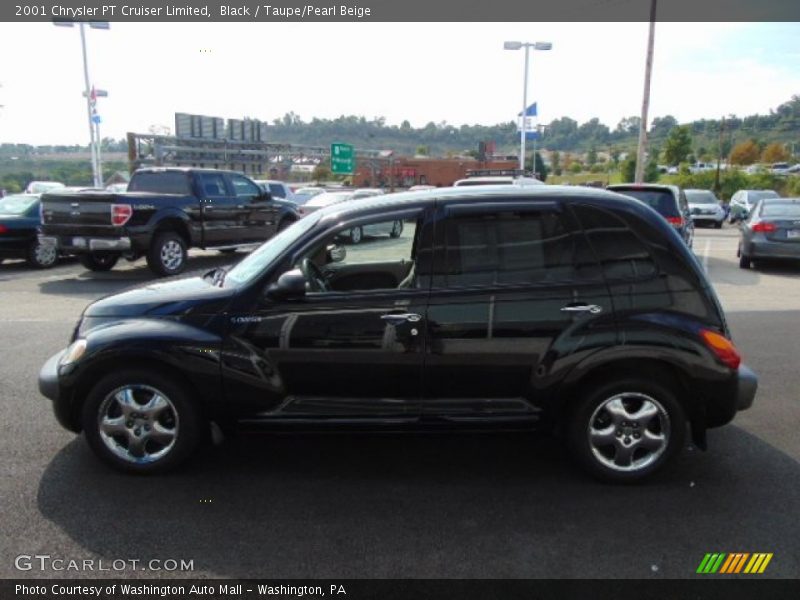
577, 310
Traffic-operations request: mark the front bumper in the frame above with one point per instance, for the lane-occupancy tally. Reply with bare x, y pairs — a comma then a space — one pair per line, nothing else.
50, 387
77, 244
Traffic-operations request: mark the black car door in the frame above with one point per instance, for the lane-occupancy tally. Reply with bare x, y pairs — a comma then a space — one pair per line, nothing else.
257, 215
515, 293
220, 220
354, 353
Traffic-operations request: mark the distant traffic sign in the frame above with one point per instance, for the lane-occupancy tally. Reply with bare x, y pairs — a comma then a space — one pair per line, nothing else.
343, 160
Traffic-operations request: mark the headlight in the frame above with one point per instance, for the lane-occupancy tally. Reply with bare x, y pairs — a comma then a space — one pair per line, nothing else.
74, 352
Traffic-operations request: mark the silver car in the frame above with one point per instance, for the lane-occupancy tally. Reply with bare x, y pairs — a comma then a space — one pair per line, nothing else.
705, 208
743, 201
356, 234
772, 231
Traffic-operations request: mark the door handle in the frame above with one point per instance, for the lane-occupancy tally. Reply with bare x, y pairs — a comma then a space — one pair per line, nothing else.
576, 308
401, 317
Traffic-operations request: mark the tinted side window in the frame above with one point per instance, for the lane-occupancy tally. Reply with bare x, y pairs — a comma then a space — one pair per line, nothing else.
213, 185
506, 248
244, 188
276, 190
622, 255
168, 182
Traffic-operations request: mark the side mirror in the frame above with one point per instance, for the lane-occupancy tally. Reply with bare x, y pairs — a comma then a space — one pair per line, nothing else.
336, 253
291, 284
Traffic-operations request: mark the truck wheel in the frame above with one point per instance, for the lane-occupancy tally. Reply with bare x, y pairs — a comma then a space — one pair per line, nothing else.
99, 262
625, 430
140, 422
284, 224
42, 257
167, 254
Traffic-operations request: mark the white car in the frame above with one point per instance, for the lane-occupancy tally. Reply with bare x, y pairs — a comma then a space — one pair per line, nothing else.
277, 189
356, 234
498, 180
40, 187
743, 201
705, 208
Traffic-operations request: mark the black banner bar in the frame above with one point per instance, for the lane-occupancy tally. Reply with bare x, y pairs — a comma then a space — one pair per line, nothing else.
277, 11
702, 588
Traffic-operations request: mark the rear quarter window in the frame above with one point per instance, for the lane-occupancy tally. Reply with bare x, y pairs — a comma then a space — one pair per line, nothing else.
662, 201
161, 183
620, 252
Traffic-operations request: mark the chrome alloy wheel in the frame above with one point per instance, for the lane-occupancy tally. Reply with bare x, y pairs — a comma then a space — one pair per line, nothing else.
629, 431
171, 255
138, 423
45, 255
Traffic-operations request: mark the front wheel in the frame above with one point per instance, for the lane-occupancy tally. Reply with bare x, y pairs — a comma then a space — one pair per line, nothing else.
42, 256
624, 431
140, 422
167, 254
99, 262
356, 235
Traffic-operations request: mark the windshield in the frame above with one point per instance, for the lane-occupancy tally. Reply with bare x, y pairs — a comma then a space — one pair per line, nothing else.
789, 210
662, 201
700, 197
264, 255
16, 205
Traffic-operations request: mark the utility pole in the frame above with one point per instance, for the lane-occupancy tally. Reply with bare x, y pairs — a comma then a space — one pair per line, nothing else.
719, 156
639, 177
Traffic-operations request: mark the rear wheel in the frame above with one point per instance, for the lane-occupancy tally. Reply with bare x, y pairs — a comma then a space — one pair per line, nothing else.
744, 261
718, 224
41, 256
141, 422
99, 262
167, 254
626, 430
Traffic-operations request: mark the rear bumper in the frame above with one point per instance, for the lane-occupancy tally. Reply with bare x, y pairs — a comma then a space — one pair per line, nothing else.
724, 399
79, 244
767, 249
746, 388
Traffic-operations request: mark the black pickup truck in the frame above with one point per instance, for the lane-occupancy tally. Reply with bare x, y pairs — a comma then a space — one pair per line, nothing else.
165, 212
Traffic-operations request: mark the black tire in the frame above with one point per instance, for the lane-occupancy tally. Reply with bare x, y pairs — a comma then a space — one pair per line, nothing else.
605, 457
356, 235
397, 229
717, 224
179, 418
284, 224
744, 261
99, 262
41, 257
167, 254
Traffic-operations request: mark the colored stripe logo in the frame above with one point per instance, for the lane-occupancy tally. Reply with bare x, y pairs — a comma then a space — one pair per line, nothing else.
734, 563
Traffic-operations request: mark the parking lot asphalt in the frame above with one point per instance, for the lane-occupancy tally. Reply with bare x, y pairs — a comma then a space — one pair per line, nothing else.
428, 505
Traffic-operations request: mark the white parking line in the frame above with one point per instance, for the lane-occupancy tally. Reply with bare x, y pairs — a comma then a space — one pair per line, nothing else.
706, 251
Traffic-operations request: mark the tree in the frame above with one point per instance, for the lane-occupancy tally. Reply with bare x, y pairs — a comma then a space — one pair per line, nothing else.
422, 150
555, 162
321, 173
678, 145
774, 152
628, 169
651, 172
591, 157
745, 153
541, 168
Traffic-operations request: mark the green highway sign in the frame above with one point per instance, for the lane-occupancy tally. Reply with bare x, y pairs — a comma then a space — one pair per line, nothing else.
343, 159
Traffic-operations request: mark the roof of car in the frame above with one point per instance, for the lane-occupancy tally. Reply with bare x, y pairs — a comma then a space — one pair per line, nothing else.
482, 193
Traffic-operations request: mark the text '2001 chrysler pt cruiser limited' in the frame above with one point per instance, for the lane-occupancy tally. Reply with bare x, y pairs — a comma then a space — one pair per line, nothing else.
575, 310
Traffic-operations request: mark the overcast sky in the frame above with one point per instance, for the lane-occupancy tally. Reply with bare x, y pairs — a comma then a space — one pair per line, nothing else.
422, 72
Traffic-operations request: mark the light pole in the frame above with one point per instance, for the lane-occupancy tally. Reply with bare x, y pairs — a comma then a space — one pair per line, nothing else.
527, 46
87, 92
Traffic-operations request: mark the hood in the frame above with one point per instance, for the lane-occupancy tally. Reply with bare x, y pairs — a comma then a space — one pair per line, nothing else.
182, 297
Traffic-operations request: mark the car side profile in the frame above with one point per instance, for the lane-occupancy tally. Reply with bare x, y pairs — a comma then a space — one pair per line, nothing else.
19, 223
566, 309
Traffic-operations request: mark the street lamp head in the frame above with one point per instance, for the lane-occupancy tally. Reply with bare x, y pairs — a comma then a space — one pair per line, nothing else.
542, 46
512, 45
